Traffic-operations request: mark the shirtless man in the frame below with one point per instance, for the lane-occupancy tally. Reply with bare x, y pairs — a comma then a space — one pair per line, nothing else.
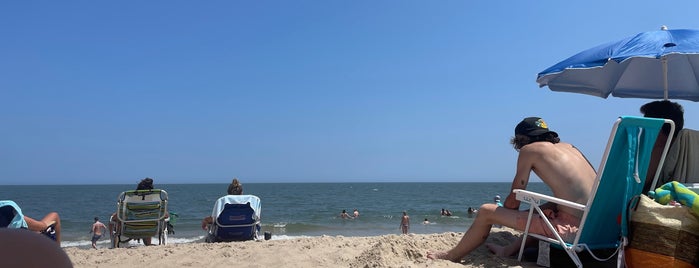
561, 166
96, 231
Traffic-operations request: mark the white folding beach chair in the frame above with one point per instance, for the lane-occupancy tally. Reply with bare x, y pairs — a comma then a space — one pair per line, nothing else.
619, 181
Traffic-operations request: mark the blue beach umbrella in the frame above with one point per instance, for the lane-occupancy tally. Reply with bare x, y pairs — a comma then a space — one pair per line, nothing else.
660, 64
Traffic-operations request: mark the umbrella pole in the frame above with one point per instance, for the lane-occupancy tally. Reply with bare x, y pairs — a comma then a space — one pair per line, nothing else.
664, 62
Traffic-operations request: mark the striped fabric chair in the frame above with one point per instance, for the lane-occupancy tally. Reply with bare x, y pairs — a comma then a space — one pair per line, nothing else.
141, 214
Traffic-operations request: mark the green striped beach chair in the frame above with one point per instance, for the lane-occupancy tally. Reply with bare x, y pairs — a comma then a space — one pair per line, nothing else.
141, 214
619, 182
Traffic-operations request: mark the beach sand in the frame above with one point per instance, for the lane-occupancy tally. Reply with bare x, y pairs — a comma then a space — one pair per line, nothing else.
324, 251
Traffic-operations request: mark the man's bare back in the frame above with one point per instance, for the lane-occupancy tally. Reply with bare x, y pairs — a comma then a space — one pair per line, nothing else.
97, 228
561, 166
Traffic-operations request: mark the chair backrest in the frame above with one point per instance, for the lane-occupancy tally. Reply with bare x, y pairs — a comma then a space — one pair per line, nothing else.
236, 218
619, 181
11, 215
236, 214
220, 204
141, 212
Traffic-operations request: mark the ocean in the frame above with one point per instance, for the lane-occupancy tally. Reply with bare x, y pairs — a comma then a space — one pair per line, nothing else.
289, 210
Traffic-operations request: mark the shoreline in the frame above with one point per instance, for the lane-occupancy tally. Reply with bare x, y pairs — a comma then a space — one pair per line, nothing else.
322, 251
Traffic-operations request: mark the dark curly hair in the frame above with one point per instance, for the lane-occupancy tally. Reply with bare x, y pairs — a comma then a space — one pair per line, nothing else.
667, 110
145, 184
518, 141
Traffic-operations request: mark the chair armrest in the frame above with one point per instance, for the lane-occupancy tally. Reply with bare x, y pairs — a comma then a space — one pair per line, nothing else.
536, 198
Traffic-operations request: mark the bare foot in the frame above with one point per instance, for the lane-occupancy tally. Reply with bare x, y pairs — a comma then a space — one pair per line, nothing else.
440, 255
497, 250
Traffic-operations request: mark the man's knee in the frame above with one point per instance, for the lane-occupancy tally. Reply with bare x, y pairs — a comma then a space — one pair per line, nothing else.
487, 208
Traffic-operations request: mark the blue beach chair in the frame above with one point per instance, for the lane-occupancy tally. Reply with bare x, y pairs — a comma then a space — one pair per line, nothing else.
619, 182
236, 218
141, 214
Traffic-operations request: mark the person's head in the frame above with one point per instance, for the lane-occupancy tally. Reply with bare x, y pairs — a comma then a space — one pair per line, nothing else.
405, 213
235, 188
145, 184
667, 110
532, 129
344, 211
97, 219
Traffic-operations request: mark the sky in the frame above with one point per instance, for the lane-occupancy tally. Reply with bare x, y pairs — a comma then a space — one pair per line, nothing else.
110, 92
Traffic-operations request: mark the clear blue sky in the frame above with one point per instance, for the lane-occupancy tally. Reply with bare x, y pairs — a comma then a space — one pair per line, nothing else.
298, 91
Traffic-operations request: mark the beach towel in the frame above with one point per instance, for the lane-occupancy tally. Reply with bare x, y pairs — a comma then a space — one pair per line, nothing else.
662, 236
682, 157
675, 191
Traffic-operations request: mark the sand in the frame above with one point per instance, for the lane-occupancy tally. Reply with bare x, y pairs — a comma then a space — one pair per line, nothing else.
324, 251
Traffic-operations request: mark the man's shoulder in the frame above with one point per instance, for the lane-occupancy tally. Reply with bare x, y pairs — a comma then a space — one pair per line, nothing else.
539, 145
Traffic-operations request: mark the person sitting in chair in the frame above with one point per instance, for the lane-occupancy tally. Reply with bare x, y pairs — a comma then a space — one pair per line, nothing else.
114, 224
235, 188
11, 217
560, 165
667, 110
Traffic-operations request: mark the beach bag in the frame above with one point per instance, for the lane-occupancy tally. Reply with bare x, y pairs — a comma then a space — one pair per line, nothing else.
662, 236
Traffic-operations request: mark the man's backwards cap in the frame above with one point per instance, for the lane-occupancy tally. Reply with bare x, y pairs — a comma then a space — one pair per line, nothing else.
532, 127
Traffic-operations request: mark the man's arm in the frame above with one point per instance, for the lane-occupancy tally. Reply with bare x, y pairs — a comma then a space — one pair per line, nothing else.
525, 163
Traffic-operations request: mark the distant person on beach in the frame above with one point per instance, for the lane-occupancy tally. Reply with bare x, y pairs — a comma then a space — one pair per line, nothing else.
497, 201
405, 223
446, 212
426, 222
114, 224
344, 215
471, 211
667, 110
96, 231
356, 213
561, 166
235, 188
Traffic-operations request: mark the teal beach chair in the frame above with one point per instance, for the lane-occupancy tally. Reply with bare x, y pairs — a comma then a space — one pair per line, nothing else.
619, 182
11, 215
141, 214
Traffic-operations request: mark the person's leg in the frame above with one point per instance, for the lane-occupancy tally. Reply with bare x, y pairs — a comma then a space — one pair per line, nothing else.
147, 241
48, 220
488, 215
56, 220
94, 241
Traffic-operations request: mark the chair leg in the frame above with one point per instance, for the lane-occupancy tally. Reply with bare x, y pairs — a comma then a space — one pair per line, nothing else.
574, 256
